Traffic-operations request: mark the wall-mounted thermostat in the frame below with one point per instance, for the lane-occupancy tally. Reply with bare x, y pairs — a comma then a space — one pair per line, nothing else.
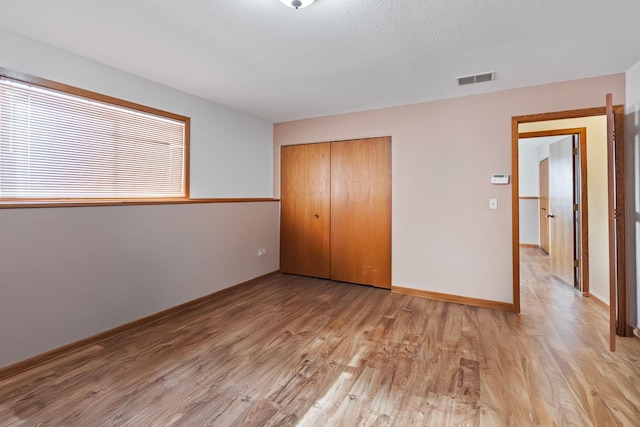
498, 178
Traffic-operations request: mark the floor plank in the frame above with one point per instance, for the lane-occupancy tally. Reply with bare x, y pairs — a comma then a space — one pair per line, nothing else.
295, 351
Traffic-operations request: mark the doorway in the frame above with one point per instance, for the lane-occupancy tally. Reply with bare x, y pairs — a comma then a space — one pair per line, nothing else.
554, 200
615, 233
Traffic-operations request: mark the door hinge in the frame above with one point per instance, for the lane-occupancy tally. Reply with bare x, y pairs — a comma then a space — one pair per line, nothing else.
576, 207
575, 151
576, 263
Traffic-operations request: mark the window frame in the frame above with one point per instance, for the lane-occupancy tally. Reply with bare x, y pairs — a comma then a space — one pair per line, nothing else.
95, 96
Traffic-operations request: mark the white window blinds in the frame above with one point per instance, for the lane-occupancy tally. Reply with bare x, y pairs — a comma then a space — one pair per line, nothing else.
58, 145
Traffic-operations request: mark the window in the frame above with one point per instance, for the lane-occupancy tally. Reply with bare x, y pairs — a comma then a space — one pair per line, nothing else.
59, 142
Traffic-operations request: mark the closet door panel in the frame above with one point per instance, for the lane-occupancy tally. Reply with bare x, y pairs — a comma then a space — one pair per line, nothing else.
305, 210
361, 211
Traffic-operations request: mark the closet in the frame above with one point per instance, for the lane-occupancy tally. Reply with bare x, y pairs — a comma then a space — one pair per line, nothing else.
336, 211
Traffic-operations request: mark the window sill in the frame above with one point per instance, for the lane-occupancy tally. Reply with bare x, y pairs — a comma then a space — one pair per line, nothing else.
67, 203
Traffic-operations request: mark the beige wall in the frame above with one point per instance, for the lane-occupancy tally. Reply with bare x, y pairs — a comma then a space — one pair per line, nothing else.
597, 195
445, 239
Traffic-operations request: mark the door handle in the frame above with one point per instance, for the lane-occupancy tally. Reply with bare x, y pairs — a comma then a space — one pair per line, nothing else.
551, 216
316, 216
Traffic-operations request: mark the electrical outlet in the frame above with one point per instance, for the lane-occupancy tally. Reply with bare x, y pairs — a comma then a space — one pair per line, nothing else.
262, 251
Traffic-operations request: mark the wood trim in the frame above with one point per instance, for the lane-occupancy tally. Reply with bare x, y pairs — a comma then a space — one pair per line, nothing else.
529, 197
559, 115
83, 344
529, 245
133, 202
551, 132
456, 299
515, 215
187, 155
612, 221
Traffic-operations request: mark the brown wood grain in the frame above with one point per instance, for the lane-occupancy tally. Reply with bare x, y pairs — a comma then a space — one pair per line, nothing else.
611, 181
561, 244
305, 210
291, 350
623, 302
361, 211
544, 205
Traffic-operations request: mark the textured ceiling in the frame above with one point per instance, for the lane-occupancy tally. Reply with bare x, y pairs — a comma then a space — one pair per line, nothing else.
337, 56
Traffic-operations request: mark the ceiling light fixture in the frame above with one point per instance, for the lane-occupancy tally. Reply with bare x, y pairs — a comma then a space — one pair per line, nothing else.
297, 4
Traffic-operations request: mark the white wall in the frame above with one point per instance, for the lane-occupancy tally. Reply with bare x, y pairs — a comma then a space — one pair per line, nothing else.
528, 186
543, 150
529, 221
597, 193
528, 167
633, 182
69, 273
445, 238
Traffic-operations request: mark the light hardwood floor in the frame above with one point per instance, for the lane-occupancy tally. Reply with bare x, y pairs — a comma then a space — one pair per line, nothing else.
309, 352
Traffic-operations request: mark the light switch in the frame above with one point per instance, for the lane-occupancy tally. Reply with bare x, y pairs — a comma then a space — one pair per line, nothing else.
493, 203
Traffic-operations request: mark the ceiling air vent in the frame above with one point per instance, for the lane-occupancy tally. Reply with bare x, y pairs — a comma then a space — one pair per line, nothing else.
477, 78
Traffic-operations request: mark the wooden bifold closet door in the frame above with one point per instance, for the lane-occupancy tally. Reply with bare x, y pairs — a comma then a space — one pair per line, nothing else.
305, 200
336, 211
